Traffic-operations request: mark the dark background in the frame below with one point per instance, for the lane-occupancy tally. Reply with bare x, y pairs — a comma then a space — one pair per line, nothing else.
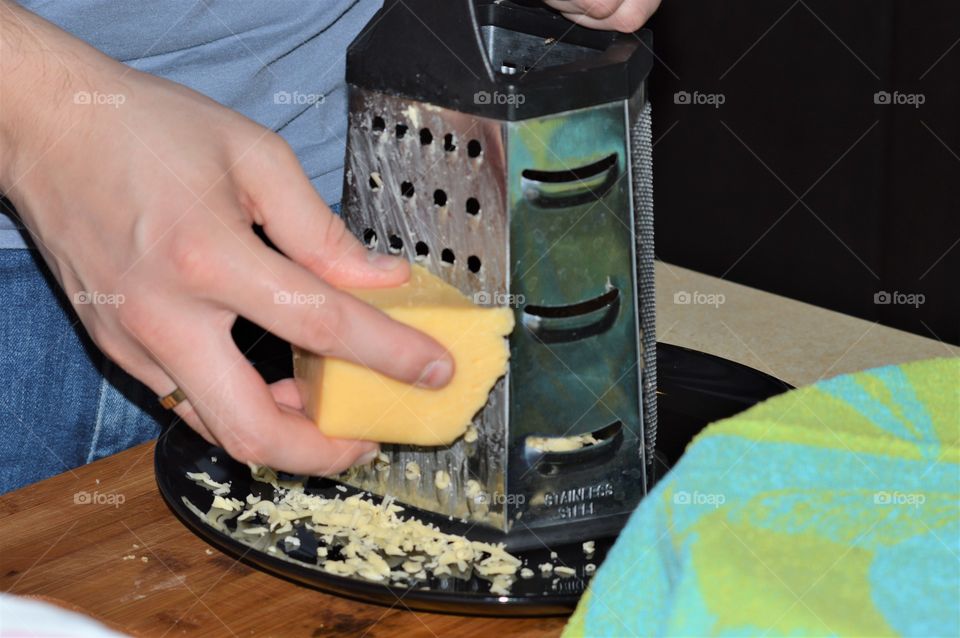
878, 185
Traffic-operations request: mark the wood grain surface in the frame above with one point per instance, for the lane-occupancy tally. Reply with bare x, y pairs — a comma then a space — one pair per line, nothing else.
78, 555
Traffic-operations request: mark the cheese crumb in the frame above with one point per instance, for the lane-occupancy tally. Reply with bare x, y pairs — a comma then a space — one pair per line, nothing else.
441, 479
546, 568
412, 471
564, 571
229, 504
202, 478
560, 443
144, 559
500, 587
471, 434
588, 548
526, 572
589, 568
472, 489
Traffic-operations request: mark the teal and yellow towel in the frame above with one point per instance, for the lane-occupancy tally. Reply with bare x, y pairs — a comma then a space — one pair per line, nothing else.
831, 510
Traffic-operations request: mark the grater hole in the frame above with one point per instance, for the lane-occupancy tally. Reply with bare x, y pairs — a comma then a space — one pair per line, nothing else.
396, 244
422, 250
375, 181
448, 144
407, 190
447, 256
473, 206
474, 264
474, 149
370, 238
377, 125
426, 137
401, 131
548, 469
440, 197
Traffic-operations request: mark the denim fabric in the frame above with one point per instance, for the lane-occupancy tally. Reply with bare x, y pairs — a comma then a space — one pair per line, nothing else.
62, 403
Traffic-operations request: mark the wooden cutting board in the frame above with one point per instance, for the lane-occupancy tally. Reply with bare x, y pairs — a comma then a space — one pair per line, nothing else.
125, 559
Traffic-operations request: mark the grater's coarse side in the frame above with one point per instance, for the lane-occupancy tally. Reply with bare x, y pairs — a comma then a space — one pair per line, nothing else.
509, 152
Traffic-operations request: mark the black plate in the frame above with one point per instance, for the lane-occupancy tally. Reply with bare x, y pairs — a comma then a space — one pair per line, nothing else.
695, 389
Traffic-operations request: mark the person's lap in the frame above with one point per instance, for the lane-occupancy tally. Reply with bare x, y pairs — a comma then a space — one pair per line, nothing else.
62, 403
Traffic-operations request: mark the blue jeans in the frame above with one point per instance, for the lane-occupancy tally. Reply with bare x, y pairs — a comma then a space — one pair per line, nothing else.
62, 403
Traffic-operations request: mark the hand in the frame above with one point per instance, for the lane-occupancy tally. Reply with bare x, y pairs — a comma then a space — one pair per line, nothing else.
141, 195
609, 15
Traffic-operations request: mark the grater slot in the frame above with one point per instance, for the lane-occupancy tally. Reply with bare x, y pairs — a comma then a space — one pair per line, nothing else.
571, 187
608, 440
572, 322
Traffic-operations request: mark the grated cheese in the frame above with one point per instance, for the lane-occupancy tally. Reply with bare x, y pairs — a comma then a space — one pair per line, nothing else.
229, 504
202, 478
441, 479
412, 471
560, 443
361, 538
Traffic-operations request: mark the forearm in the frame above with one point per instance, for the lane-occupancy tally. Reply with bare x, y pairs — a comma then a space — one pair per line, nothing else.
42, 71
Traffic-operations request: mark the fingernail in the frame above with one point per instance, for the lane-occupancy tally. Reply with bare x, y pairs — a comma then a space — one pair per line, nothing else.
436, 374
368, 457
383, 262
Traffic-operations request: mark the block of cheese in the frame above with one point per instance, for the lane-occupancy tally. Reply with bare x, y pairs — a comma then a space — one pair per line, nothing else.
347, 400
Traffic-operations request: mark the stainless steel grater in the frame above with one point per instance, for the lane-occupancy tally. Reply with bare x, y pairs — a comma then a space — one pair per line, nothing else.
508, 151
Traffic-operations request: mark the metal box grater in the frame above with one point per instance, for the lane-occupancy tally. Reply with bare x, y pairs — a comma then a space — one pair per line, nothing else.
508, 151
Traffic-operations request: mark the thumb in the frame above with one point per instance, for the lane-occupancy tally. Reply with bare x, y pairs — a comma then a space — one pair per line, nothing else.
301, 224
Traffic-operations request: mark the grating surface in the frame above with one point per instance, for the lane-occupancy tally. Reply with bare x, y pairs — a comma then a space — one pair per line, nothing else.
641, 151
436, 197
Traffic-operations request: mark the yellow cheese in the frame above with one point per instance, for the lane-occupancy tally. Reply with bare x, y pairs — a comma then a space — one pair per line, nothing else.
347, 400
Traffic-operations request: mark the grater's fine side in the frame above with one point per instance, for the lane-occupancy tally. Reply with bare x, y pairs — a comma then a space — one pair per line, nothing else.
409, 194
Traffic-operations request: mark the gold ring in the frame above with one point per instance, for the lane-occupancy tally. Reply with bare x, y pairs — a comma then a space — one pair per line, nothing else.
173, 399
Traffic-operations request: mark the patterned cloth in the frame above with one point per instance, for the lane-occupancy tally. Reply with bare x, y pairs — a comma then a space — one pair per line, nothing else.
832, 510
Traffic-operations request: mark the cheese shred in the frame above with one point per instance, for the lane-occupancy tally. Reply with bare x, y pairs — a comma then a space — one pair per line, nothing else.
357, 537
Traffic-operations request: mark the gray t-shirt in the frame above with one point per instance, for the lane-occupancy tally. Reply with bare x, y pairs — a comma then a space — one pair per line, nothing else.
279, 62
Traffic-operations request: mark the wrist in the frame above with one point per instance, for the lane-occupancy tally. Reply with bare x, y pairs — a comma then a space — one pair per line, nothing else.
44, 74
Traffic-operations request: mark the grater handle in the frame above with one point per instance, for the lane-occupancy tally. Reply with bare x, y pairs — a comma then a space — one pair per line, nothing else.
499, 59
